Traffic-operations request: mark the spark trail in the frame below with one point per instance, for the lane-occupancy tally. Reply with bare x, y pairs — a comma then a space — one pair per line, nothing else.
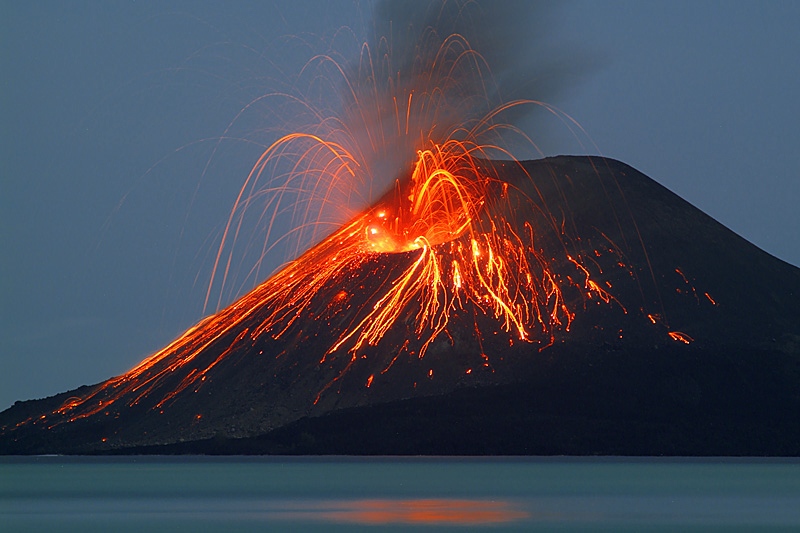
424, 132
464, 256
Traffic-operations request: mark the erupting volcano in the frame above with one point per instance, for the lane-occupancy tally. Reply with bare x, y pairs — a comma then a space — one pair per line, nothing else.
480, 305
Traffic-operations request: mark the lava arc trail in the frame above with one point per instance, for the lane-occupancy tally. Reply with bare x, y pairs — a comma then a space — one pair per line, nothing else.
460, 255
470, 246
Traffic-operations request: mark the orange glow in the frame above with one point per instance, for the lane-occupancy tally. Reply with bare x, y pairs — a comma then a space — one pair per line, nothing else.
425, 511
447, 219
680, 337
463, 255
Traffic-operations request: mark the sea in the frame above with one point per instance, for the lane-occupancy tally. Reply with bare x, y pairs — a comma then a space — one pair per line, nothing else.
206, 494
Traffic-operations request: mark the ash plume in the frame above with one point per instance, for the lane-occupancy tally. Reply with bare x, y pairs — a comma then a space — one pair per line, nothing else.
518, 53
513, 36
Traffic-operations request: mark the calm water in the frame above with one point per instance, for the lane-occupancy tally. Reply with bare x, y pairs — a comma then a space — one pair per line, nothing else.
390, 494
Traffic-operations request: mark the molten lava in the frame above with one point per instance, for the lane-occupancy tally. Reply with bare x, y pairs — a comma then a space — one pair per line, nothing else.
464, 256
465, 240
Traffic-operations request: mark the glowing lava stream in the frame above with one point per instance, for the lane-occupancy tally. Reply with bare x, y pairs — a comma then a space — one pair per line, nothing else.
466, 255
450, 220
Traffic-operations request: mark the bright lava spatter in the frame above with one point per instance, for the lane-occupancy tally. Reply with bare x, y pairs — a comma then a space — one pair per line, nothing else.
448, 217
464, 258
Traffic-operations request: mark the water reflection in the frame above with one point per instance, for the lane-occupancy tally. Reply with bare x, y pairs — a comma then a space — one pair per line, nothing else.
415, 511
138, 494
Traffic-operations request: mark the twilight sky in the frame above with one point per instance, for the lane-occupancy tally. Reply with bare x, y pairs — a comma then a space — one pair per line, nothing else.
116, 172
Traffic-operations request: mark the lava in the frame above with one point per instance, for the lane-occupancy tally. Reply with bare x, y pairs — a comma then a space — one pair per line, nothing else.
448, 216
464, 255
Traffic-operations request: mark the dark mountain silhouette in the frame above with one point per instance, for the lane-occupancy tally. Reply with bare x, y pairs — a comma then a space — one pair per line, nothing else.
692, 347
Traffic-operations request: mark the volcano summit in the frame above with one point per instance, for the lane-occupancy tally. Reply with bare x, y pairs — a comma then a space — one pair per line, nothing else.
569, 305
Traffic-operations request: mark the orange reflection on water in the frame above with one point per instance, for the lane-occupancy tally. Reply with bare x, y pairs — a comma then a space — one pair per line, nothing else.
424, 511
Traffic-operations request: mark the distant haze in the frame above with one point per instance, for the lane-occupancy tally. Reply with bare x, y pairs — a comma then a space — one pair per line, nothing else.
116, 178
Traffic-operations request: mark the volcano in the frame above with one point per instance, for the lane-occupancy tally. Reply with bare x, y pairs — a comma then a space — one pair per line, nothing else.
576, 307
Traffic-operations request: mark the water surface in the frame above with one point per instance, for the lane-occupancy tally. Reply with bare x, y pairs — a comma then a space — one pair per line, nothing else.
392, 494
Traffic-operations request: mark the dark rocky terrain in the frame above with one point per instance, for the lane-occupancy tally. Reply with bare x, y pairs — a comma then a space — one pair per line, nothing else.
613, 383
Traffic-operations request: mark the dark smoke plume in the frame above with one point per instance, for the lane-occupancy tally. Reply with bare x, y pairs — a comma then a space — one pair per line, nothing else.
514, 38
433, 71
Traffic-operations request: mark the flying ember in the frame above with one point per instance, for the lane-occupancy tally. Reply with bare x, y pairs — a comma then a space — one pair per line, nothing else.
466, 243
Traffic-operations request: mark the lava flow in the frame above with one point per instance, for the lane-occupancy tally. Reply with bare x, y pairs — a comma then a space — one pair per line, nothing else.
466, 241
464, 256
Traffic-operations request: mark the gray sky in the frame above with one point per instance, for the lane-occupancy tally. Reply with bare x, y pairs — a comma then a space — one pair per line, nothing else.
111, 113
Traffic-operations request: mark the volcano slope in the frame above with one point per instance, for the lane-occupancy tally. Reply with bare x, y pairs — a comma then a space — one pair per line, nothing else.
671, 335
